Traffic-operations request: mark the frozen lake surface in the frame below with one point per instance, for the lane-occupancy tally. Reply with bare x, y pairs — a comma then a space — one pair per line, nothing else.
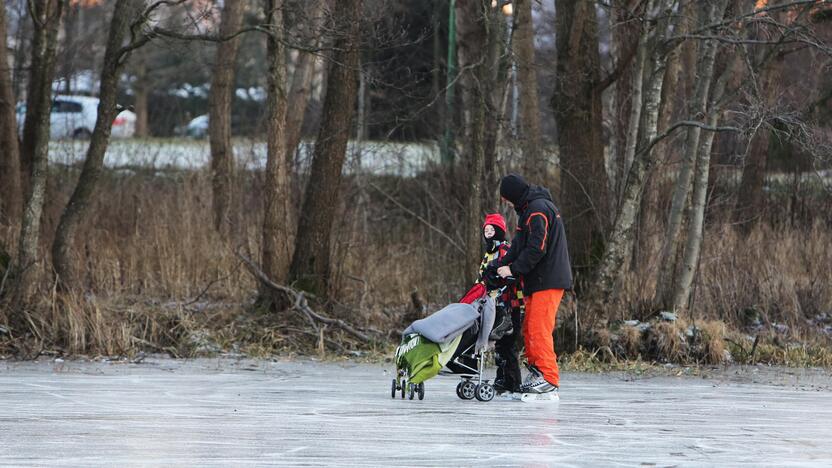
222, 412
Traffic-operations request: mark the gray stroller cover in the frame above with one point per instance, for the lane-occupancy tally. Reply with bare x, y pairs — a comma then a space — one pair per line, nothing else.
452, 320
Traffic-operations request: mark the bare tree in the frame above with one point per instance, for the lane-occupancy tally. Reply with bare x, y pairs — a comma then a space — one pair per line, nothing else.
577, 106
46, 17
697, 111
750, 197
523, 44
127, 16
219, 116
277, 216
476, 44
10, 196
683, 278
659, 24
301, 88
141, 91
311, 267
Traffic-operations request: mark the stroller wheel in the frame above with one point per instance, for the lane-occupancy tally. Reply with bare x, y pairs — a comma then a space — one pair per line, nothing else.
467, 390
485, 392
402, 388
411, 391
420, 390
393, 390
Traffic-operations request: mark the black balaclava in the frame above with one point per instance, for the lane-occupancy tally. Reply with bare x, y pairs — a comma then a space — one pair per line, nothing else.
514, 188
499, 236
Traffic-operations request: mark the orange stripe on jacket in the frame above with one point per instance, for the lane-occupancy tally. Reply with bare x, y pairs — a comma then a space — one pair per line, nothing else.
545, 220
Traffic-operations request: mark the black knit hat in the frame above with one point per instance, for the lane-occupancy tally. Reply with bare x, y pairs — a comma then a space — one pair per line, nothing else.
514, 188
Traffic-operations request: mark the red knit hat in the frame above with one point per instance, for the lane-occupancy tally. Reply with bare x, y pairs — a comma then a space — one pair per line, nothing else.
496, 220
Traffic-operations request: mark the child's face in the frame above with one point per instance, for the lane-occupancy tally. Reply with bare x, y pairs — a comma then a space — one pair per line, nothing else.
488, 231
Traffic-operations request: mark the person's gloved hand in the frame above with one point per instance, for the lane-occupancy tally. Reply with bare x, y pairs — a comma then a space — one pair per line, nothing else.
491, 279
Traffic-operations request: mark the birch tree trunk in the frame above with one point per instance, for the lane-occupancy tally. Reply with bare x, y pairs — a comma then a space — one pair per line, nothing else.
35, 145
696, 224
219, 117
10, 196
311, 266
534, 163
697, 110
276, 253
75, 213
659, 24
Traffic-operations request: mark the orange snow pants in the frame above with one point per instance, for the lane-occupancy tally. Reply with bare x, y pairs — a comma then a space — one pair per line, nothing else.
538, 326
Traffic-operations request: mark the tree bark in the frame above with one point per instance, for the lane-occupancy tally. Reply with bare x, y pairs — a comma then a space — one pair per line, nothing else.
76, 211
577, 107
474, 57
276, 253
11, 199
697, 110
534, 162
621, 238
311, 267
219, 117
35, 145
696, 224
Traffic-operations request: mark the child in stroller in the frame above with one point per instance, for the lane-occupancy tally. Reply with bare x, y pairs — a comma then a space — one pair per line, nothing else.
456, 337
508, 296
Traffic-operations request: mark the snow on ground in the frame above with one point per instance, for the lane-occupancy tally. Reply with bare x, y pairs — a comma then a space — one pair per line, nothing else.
381, 158
244, 413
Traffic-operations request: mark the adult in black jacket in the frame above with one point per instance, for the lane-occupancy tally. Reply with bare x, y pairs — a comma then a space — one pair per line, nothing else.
538, 255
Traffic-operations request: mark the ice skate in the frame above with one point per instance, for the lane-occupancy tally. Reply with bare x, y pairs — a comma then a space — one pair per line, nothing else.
537, 389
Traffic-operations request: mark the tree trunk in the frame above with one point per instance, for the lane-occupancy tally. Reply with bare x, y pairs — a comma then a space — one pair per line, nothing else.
299, 100
311, 267
35, 145
474, 57
577, 106
492, 77
620, 241
75, 213
534, 162
11, 200
276, 220
697, 111
219, 117
141, 91
696, 224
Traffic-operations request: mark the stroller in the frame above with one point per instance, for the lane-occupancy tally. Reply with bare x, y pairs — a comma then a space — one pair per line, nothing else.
455, 338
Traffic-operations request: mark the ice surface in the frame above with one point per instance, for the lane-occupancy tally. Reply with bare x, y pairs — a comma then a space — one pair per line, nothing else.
237, 413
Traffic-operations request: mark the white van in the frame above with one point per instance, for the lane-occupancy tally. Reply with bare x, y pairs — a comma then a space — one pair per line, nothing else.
74, 117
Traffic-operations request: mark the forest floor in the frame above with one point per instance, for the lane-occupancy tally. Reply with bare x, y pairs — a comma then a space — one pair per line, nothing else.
235, 412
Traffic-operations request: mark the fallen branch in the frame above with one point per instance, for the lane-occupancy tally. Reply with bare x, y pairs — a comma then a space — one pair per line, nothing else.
300, 304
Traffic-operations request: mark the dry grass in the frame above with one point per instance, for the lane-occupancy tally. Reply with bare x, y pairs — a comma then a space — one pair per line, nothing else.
157, 275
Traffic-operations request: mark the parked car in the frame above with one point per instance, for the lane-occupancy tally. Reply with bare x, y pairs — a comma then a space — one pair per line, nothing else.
74, 117
197, 127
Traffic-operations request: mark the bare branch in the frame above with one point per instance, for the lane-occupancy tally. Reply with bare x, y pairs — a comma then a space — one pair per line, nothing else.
421, 219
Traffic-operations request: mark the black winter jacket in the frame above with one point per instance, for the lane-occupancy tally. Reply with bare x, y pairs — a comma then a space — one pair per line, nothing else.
538, 251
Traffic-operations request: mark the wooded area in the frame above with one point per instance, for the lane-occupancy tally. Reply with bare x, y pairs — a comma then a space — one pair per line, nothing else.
687, 143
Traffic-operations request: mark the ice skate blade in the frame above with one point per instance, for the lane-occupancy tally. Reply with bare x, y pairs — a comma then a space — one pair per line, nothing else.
549, 397
508, 396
